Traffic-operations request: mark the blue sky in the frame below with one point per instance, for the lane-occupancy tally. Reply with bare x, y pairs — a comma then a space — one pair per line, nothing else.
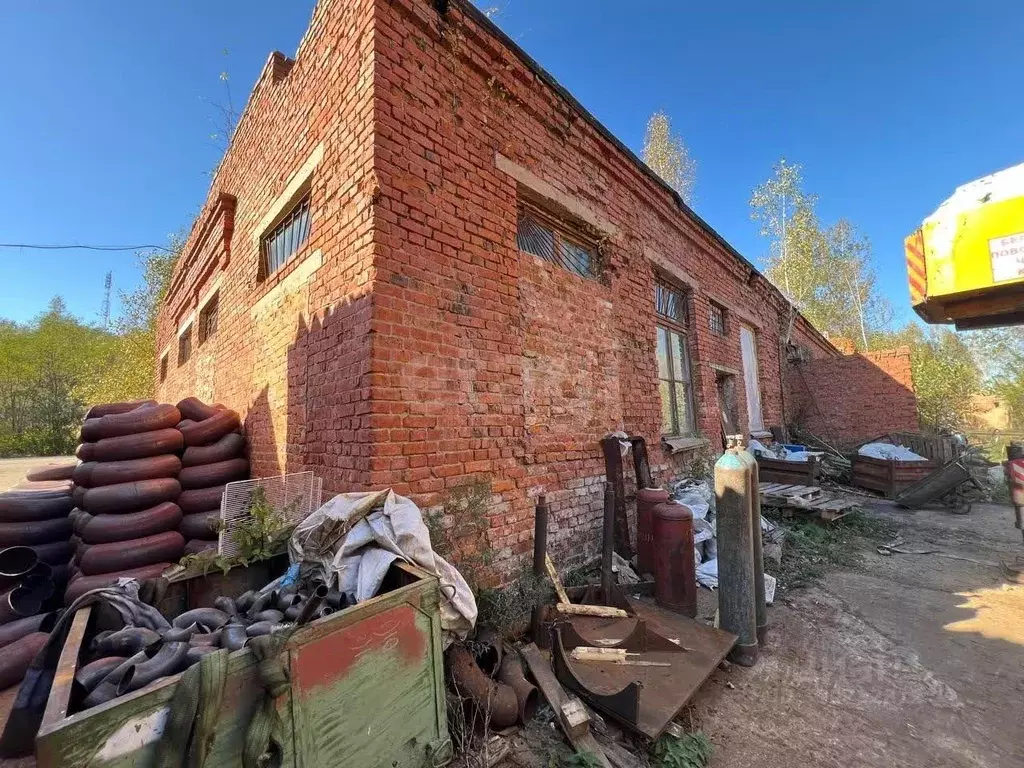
106, 117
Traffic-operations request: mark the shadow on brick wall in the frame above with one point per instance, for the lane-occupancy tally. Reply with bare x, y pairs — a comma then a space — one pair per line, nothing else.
328, 397
853, 397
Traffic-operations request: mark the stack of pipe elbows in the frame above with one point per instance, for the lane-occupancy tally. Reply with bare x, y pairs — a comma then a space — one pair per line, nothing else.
126, 492
35, 547
214, 456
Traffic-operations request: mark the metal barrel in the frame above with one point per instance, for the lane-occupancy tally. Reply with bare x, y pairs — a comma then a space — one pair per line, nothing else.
754, 496
736, 607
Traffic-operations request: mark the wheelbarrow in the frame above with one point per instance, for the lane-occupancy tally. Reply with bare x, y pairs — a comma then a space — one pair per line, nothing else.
935, 485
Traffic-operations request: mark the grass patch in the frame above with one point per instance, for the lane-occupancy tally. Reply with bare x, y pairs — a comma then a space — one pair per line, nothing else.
811, 549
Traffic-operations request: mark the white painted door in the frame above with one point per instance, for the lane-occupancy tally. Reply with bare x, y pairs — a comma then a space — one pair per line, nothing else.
748, 346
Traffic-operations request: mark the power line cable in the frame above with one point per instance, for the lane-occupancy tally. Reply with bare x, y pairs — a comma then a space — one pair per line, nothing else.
86, 247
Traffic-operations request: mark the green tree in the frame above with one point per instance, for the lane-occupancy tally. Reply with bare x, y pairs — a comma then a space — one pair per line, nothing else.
945, 374
786, 216
667, 155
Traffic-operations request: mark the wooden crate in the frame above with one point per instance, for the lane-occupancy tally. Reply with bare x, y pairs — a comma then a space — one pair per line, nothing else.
367, 688
940, 449
886, 476
789, 472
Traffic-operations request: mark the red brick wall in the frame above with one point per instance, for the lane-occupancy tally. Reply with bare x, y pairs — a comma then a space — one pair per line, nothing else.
494, 364
410, 343
292, 351
854, 397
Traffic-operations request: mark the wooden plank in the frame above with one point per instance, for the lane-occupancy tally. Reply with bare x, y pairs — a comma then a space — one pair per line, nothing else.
553, 691
60, 691
555, 581
602, 611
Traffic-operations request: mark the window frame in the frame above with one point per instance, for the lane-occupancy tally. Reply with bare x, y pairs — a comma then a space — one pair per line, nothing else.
561, 231
301, 199
204, 331
721, 329
185, 345
678, 325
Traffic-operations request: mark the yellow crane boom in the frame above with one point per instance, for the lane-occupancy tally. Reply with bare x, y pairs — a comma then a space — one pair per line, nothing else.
965, 263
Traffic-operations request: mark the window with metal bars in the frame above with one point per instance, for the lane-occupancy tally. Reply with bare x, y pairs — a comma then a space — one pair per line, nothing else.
552, 240
675, 385
716, 320
163, 367
185, 345
286, 238
208, 318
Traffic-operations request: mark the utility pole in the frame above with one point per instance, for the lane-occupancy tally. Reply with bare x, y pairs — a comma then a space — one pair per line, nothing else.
105, 309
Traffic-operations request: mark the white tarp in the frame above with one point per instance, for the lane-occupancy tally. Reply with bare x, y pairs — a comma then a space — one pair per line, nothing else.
886, 451
361, 557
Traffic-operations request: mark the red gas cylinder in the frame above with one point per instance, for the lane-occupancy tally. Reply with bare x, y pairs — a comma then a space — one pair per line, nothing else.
675, 571
646, 500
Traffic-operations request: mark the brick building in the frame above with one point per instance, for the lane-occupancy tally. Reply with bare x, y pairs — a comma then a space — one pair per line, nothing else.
423, 264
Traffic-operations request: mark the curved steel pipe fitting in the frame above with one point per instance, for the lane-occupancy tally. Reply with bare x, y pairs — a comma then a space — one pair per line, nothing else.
54, 471
101, 473
311, 605
198, 546
92, 673
201, 500
496, 700
113, 685
19, 603
130, 497
29, 506
79, 585
17, 629
244, 601
169, 660
55, 553
210, 618
218, 473
195, 653
511, 674
201, 525
227, 605
106, 529
271, 615
206, 638
180, 634
487, 649
146, 418
35, 532
139, 446
234, 637
16, 658
231, 446
138, 553
211, 429
17, 561
105, 409
195, 409
124, 642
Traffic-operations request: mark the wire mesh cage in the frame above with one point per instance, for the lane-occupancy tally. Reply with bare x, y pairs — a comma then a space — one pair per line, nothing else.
292, 496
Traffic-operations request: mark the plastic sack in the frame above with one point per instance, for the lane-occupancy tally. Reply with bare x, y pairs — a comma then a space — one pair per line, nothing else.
356, 537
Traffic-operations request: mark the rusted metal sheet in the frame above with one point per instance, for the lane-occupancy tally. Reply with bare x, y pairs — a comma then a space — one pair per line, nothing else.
934, 485
646, 699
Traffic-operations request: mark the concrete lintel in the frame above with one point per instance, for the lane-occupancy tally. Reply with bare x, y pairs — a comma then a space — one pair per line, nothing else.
290, 194
573, 205
673, 269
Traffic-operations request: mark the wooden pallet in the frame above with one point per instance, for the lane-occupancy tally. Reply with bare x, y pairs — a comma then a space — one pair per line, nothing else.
808, 498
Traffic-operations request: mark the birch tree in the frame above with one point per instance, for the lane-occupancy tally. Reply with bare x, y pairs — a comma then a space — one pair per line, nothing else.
667, 155
778, 205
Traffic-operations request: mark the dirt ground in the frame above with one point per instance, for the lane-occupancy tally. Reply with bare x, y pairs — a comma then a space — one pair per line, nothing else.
905, 660
12, 471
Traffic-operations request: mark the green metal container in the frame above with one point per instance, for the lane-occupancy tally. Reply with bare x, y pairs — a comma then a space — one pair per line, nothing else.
367, 689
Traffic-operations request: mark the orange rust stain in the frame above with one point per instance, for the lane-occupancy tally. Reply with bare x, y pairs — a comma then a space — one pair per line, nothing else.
323, 662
